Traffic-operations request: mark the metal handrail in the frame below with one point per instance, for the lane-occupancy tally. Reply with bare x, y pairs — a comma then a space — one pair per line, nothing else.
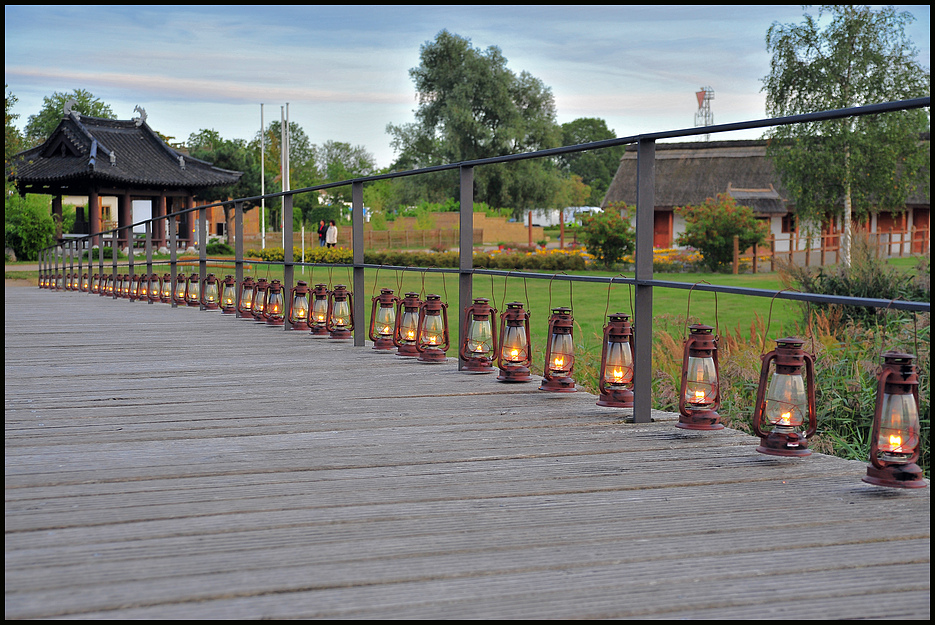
643, 275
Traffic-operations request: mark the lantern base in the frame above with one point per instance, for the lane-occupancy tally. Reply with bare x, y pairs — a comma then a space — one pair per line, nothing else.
619, 398
700, 420
193, 303
341, 335
300, 325
212, 307
477, 365
407, 351
319, 331
275, 322
432, 356
788, 444
513, 374
558, 385
226, 311
896, 476
383, 344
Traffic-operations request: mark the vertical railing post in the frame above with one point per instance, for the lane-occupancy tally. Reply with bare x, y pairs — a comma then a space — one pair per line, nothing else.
288, 257
643, 335
79, 249
202, 251
149, 257
465, 250
238, 251
130, 270
173, 255
113, 256
357, 242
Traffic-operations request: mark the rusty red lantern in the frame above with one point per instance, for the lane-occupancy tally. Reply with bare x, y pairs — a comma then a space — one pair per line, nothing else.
406, 330
383, 319
109, 285
181, 285
229, 295
165, 295
122, 285
210, 293
85, 283
895, 438
615, 380
321, 295
95, 284
259, 300
142, 287
559, 353
340, 320
245, 300
155, 287
700, 394
478, 337
434, 340
514, 351
275, 304
193, 290
298, 306
784, 416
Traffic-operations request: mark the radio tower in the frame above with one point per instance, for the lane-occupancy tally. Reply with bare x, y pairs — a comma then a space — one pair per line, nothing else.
704, 116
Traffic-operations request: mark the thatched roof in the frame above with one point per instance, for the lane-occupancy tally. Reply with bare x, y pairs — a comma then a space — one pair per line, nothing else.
88, 152
689, 173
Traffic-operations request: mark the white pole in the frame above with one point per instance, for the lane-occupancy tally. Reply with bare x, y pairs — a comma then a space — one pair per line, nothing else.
262, 180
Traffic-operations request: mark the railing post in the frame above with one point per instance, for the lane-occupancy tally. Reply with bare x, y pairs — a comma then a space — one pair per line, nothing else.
465, 250
643, 336
357, 244
288, 257
149, 255
113, 256
202, 251
130, 270
173, 255
238, 251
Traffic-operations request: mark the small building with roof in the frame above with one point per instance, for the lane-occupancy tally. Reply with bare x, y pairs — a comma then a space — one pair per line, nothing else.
687, 173
96, 158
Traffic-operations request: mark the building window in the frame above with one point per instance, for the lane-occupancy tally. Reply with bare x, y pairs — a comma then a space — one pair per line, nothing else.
788, 223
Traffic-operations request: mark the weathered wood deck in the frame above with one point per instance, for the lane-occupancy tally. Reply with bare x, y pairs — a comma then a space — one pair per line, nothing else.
172, 463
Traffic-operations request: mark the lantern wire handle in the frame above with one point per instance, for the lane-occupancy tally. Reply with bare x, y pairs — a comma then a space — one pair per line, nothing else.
808, 318
629, 289
375, 277
717, 331
571, 294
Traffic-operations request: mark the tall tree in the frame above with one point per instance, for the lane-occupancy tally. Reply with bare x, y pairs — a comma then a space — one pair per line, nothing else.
472, 106
596, 168
40, 126
851, 166
12, 138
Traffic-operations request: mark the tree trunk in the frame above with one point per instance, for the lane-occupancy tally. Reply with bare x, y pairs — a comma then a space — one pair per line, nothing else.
846, 239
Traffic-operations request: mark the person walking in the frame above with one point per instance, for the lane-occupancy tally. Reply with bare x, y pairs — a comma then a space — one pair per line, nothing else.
322, 232
331, 236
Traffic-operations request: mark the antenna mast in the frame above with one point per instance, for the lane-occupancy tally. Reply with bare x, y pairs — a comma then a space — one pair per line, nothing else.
704, 116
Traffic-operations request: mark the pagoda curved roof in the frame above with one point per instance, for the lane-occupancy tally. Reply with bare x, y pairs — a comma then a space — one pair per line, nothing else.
90, 152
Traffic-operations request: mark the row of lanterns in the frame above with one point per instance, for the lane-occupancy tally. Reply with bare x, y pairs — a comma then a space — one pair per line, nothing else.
784, 416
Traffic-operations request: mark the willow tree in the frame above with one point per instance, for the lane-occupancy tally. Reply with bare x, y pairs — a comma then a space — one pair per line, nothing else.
847, 56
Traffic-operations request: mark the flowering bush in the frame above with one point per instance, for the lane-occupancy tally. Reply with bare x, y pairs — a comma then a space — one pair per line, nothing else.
712, 226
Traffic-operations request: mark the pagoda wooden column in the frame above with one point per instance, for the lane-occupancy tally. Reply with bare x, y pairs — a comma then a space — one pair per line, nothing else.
124, 219
57, 216
94, 217
159, 225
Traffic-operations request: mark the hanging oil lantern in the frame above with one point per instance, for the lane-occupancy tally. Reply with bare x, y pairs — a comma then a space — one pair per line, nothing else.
121, 285
181, 285
85, 283
109, 285
155, 287
615, 380
210, 293
784, 414
275, 304
341, 313
699, 394
193, 291
432, 331
245, 301
321, 295
259, 300
229, 296
137, 287
478, 337
95, 285
514, 352
406, 331
165, 295
559, 353
299, 306
894, 442
383, 319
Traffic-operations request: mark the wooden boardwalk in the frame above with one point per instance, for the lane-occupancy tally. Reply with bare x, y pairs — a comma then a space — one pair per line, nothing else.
173, 463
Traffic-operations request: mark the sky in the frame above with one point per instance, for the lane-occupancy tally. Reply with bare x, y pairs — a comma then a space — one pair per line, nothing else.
344, 71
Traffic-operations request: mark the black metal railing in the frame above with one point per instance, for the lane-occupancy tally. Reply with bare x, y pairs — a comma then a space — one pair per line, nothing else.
643, 281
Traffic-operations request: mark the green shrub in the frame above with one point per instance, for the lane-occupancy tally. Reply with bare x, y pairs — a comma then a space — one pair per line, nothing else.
711, 227
219, 248
27, 225
608, 236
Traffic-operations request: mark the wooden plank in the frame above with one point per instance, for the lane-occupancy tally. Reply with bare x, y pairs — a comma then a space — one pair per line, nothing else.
338, 482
